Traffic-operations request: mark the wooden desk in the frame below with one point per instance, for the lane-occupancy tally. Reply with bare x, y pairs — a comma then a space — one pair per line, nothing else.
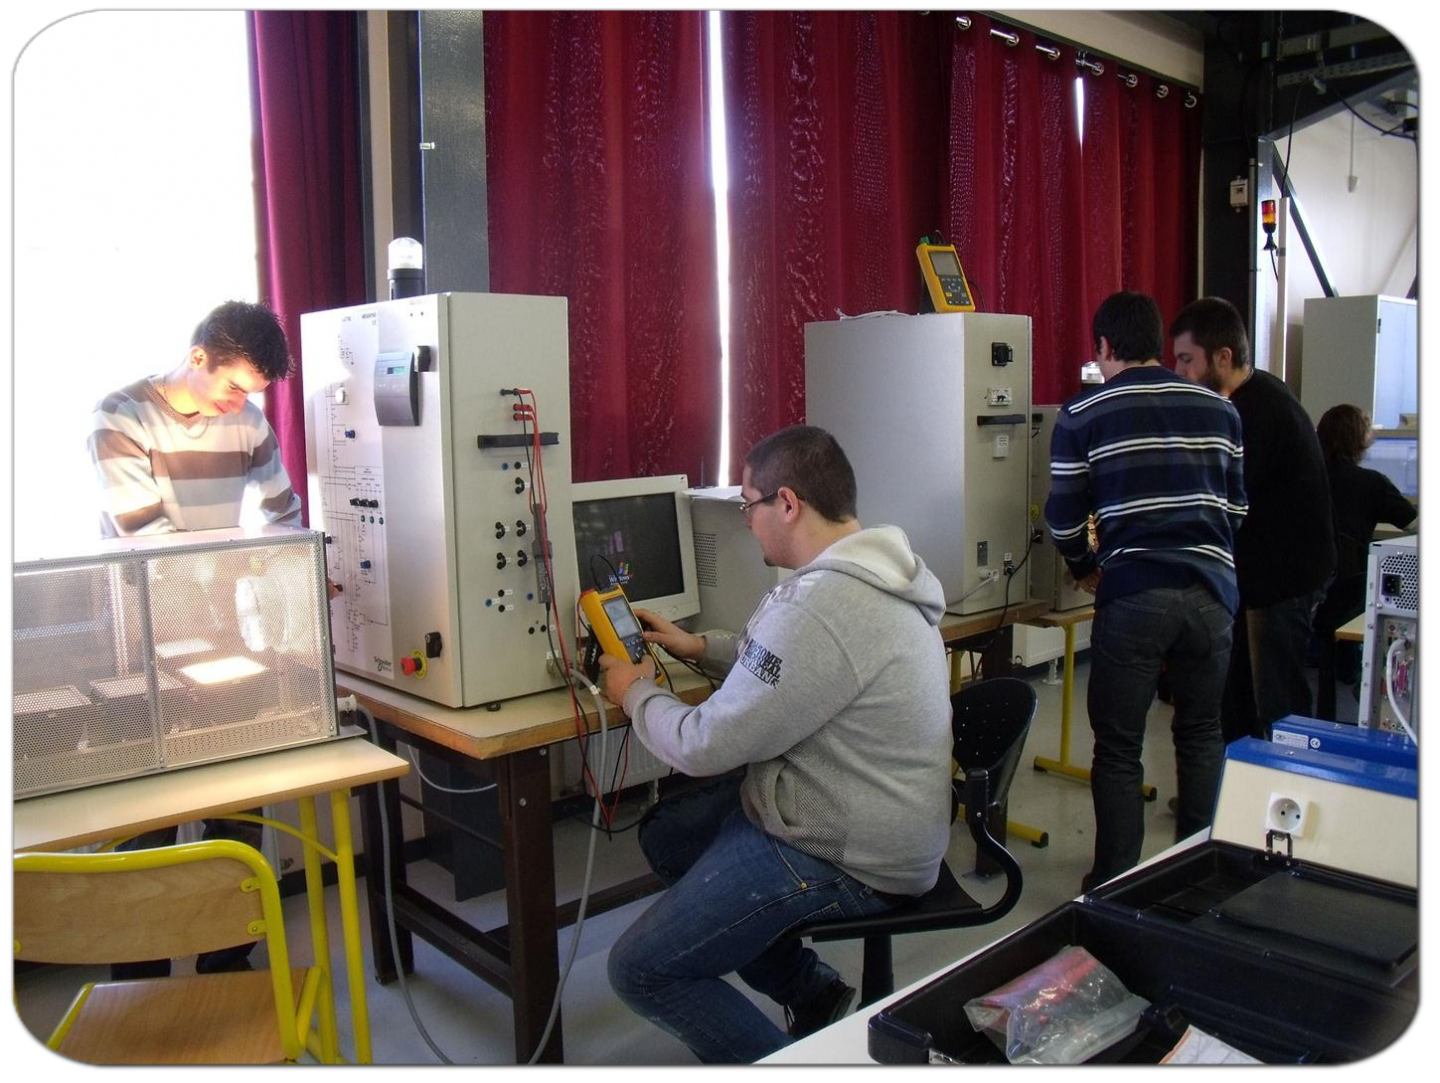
63, 821
1068, 619
521, 958
1352, 631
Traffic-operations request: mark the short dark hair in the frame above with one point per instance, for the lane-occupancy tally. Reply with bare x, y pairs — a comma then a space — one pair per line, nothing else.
811, 462
1131, 323
1344, 433
1214, 323
245, 331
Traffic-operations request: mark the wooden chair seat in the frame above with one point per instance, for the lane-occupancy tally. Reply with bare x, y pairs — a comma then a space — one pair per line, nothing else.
199, 1019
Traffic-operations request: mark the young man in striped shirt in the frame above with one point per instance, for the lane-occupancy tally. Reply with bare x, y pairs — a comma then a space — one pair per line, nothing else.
178, 451
1158, 462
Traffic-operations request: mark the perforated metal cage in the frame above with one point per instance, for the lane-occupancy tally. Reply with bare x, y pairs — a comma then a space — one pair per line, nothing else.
152, 654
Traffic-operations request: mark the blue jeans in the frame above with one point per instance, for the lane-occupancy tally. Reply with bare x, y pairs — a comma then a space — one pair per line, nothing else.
1267, 667
1188, 630
733, 893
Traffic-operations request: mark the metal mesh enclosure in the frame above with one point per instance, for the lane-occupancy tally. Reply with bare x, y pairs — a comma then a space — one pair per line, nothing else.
169, 652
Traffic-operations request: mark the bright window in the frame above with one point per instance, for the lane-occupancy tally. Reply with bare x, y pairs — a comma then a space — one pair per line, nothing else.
134, 215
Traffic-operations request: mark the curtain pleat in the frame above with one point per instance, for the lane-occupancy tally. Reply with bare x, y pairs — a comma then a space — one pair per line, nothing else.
599, 191
835, 134
304, 95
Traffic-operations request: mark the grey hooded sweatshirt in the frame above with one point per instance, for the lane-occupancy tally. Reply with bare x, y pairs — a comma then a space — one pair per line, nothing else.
836, 696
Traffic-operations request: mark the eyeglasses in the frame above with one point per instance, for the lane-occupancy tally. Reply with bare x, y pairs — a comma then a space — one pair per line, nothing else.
748, 504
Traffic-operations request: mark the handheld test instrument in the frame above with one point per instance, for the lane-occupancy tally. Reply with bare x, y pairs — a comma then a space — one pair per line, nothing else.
616, 628
945, 283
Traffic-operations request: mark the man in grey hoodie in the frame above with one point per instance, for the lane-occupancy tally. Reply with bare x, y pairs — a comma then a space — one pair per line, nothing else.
836, 705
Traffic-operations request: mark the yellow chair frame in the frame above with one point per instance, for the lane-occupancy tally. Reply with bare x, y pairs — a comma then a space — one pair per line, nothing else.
168, 902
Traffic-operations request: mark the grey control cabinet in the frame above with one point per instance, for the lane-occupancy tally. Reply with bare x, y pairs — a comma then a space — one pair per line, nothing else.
1363, 351
934, 414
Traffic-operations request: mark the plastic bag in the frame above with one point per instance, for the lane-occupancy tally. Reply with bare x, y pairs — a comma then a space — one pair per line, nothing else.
1064, 1011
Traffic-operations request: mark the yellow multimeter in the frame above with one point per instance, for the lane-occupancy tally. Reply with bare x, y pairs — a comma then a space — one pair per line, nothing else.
616, 628
944, 278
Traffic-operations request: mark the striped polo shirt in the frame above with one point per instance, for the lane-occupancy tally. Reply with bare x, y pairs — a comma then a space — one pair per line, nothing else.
1159, 461
161, 470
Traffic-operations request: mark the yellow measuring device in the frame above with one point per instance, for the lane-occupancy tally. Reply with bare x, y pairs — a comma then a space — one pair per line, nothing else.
616, 628
944, 278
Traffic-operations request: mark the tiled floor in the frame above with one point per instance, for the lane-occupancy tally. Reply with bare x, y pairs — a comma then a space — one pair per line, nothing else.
470, 1022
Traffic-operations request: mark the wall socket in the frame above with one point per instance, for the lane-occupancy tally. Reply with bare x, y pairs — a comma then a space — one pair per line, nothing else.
1287, 815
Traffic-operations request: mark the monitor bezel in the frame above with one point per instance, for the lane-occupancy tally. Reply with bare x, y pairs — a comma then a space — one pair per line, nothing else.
673, 607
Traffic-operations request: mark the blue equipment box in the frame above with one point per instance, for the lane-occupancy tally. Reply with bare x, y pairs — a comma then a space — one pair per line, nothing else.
1375, 745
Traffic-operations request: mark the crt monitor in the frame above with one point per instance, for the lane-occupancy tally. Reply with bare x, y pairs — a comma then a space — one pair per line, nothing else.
1397, 456
636, 532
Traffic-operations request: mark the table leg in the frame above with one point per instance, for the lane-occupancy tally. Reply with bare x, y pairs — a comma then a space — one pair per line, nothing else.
319, 933
524, 779
350, 923
1325, 694
384, 796
1063, 766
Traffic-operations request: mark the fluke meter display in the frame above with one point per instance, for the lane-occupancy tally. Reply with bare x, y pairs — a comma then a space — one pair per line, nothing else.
945, 283
616, 628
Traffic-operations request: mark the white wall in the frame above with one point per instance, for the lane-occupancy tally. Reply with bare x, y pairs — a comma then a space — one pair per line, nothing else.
1366, 237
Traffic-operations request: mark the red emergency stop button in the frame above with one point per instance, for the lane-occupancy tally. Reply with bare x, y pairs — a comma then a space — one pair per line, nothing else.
409, 666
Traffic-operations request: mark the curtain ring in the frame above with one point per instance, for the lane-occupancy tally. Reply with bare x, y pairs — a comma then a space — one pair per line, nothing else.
963, 22
1129, 78
1092, 66
1191, 101
1161, 90
1051, 53
1011, 40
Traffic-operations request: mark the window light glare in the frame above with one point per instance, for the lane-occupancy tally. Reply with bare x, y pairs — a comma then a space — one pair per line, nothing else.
223, 670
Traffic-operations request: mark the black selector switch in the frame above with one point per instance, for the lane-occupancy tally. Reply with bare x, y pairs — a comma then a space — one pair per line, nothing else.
433, 645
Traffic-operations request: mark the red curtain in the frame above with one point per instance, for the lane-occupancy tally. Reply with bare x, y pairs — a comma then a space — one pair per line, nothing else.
835, 133
1013, 202
304, 101
1142, 216
599, 191
1160, 143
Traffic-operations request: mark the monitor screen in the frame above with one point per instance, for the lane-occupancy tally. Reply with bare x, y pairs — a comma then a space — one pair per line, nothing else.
946, 265
1398, 458
635, 533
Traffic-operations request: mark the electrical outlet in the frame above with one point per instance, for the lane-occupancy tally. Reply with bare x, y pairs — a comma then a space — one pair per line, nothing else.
1286, 814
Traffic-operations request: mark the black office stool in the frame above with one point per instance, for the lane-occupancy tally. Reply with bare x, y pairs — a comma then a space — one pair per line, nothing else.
989, 721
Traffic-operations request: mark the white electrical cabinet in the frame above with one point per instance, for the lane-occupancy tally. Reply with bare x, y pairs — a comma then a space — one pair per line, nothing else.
422, 476
933, 412
1048, 579
1362, 351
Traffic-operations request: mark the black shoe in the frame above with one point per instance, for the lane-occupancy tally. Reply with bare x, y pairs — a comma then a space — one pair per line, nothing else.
832, 1005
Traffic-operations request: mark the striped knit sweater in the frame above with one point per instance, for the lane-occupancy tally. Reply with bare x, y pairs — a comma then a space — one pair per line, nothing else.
160, 470
1159, 461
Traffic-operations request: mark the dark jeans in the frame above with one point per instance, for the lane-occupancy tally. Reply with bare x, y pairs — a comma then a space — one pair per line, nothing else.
1188, 631
1266, 678
207, 962
733, 894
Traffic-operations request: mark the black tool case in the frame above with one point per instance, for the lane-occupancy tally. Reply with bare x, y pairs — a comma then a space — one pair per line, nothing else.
1288, 963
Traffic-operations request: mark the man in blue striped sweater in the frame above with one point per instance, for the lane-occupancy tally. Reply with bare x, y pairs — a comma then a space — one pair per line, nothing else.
1158, 462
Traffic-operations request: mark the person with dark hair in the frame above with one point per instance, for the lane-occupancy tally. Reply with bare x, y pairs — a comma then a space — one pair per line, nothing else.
1156, 462
827, 750
178, 451
1360, 499
1285, 552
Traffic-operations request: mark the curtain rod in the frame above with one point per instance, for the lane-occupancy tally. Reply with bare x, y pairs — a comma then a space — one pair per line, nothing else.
1085, 59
